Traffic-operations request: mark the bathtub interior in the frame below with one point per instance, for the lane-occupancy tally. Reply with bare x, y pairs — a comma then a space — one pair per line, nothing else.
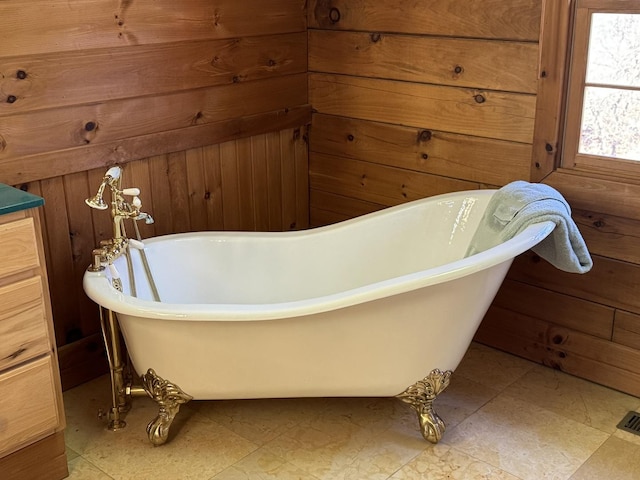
269, 268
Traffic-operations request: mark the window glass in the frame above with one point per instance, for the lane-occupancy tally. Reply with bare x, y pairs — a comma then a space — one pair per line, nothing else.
614, 49
603, 110
611, 123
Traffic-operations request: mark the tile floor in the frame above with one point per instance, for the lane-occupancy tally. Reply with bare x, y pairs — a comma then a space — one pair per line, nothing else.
507, 419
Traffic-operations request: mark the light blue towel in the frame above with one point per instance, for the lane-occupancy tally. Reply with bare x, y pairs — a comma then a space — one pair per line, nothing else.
519, 204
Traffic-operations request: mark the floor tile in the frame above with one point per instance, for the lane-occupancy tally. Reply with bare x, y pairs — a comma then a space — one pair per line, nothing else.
71, 454
616, 459
198, 448
461, 399
353, 439
82, 405
507, 419
525, 440
491, 368
442, 462
627, 436
263, 465
260, 421
80, 469
574, 398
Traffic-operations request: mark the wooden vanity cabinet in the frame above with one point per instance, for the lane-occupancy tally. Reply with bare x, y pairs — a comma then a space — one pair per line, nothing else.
31, 409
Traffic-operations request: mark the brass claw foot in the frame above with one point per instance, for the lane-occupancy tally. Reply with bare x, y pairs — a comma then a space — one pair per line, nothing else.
169, 397
421, 396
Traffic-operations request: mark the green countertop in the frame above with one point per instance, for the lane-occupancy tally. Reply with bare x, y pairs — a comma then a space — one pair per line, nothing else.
14, 200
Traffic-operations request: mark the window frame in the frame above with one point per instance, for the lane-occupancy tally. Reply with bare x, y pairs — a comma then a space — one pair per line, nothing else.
571, 158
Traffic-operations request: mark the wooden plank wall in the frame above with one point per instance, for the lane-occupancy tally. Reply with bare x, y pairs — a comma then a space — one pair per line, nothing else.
204, 105
413, 100
587, 325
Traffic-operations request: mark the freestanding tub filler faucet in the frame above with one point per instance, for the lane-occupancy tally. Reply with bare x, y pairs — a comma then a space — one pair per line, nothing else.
103, 257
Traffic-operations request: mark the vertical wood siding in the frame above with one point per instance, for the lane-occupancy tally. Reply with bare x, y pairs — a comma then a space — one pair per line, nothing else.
242, 184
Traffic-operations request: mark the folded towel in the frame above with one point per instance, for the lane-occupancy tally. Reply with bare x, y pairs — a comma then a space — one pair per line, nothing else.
519, 204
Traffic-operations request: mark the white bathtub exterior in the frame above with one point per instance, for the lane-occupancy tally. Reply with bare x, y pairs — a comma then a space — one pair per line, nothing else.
366, 307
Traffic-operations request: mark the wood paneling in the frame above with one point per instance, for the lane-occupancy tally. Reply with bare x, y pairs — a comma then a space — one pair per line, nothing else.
107, 122
610, 282
606, 211
514, 19
196, 189
209, 188
553, 49
598, 193
483, 113
610, 235
203, 105
82, 357
44, 26
377, 183
484, 160
443, 97
51, 80
413, 99
97, 79
627, 329
491, 64
394, 86
594, 319
589, 357
56, 163
206, 109
331, 208
439, 95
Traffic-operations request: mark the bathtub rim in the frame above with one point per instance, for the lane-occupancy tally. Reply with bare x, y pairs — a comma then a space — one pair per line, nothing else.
98, 287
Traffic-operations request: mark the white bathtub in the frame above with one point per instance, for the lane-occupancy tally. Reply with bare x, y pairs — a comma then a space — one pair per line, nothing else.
366, 307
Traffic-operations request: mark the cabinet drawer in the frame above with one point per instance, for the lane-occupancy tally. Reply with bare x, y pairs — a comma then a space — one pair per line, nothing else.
20, 294
18, 251
28, 408
23, 322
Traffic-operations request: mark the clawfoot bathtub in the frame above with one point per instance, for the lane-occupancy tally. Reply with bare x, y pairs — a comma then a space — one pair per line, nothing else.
381, 305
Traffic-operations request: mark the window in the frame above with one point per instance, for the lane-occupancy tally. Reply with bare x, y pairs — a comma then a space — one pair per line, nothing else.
602, 129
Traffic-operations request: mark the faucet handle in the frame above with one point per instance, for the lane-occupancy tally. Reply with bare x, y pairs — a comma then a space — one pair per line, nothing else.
132, 192
113, 172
